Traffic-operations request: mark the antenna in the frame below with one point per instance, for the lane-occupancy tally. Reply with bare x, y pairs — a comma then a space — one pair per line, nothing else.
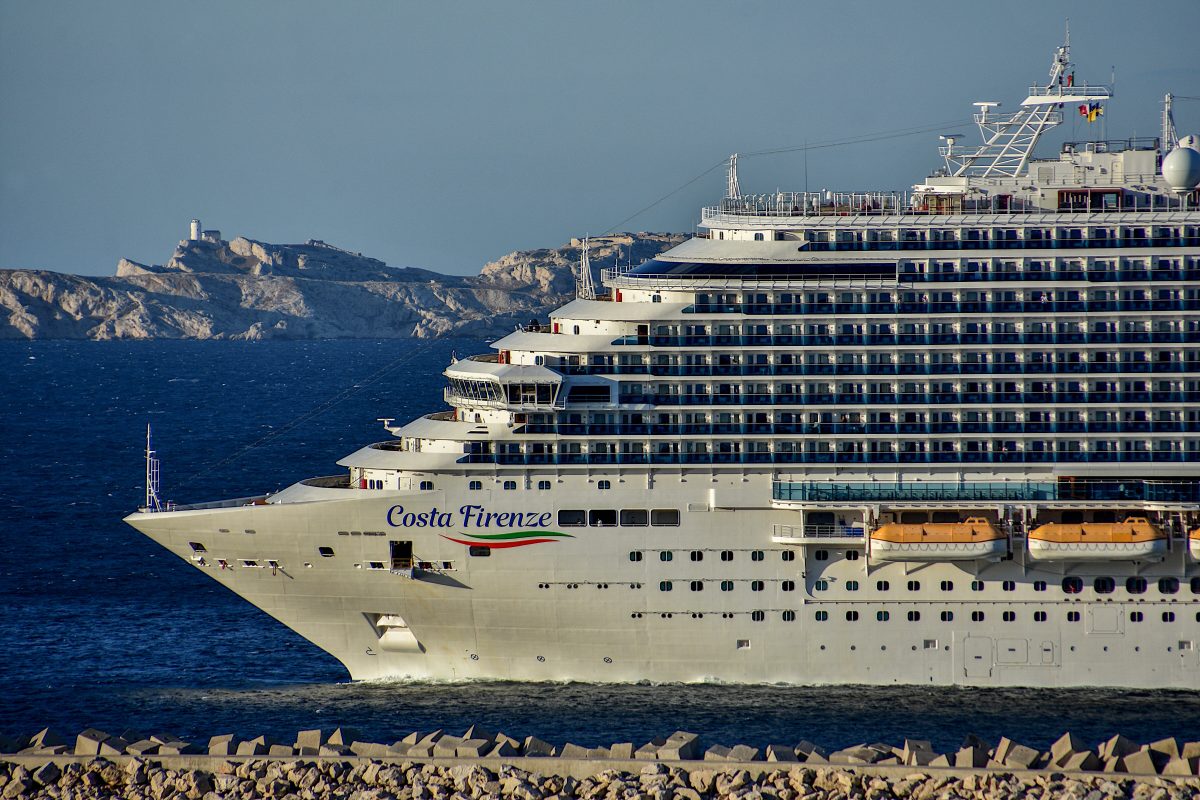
1168, 125
153, 503
732, 190
585, 289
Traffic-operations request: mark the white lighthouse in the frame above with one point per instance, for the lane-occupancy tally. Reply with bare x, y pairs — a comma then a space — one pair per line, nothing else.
194, 233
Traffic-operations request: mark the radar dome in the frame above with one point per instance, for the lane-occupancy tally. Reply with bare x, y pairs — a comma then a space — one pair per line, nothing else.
1181, 168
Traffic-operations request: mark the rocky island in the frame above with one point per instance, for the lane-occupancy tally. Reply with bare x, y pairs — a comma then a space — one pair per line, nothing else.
211, 288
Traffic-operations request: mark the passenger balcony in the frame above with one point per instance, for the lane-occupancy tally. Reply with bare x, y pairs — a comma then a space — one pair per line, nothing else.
817, 534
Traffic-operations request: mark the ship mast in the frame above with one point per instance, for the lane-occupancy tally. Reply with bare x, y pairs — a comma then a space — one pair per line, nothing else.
153, 503
1009, 139
585, 289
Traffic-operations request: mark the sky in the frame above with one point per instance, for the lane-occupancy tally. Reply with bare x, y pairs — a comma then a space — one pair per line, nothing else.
446, 134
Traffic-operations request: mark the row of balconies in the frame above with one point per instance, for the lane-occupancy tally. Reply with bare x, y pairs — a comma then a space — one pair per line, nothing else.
983, 243
849, 428
914, 339
994, 368
911, 398
1018, 457
1048, 305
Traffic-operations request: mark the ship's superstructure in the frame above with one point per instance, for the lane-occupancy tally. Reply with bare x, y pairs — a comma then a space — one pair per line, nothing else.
950, 435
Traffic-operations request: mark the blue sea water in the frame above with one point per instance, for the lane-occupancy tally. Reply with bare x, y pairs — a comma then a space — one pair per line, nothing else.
100, 627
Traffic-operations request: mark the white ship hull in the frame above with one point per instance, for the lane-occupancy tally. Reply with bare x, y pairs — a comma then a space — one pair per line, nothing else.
580, 609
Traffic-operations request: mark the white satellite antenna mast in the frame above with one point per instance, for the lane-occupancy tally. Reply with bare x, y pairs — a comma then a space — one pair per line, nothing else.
1169, 137
585, 289
732, 190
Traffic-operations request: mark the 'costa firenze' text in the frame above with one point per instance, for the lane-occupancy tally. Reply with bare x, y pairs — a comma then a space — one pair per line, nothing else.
469, 516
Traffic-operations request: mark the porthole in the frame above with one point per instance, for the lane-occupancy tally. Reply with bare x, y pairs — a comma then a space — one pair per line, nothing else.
697, 586
475, 486
851, 616
727, 555
1104, 585
976, 616
666, 555
821, 555
789, 616
726, 586
883, 616
788, 586
756, 586
882, 586
635, 555
1168, 585
821, 616
788, 555
665, 586
758, 616
757, 555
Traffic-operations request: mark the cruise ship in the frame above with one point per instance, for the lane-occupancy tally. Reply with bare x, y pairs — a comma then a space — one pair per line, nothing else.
949, 435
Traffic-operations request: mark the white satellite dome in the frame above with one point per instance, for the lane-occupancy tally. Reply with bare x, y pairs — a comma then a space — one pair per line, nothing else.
1191, 140
1181, 167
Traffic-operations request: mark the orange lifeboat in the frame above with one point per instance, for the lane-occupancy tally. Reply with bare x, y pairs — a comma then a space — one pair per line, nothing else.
1194, 543
938, 541
1136, 539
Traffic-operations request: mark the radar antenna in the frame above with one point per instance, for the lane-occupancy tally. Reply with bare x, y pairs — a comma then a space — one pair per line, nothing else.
153, 503
1169, 137
732, 190
584, 288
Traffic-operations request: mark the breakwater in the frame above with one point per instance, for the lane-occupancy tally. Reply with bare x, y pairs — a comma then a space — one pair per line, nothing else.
479, 763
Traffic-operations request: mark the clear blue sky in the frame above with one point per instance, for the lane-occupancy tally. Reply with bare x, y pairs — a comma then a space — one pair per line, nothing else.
446, 134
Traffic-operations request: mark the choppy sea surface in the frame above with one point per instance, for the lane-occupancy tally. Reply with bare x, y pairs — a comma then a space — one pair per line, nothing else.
100, 627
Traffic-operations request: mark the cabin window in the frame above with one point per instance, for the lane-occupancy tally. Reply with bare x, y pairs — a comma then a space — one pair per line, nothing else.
665, 586
820, 616
696, 586
572, 518
666, 555
947, 586
1136, 616
727, 555
1168, 616
480, 551
883, 586
852, 555
947, 616
788, 586
475, 486
604, 485
1135, 585
1009, 616
789, 616
1009, 586
1039, 616
914, 586
665, 517
759, 616
821, 555
426, 486
697, 555
851, 616
1104, 585
603, 518
976, 616
1168, 585
1072, 616
976, 586
883, 616
851, 586
635, 555
1039, 586
510, 486
1072, 584
757, 586
634, 518
326, 552
197, 547
1196, 585
757, 555
543, 486
914, 616
788, 555
726, 586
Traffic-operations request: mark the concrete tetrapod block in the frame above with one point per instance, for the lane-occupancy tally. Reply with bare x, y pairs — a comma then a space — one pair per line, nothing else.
479, 732
142, 747
311, 738
446, 747
680, 746
1066, 746
743, 752
257, 746
1087, 761
1114, 764
1018, 756
779, 752
1190, 750
971, 758
1168, 747
503, 750
941, 761
369, 749
412, 738
88, 742
473, 748
598, 754
47, 774
1182, 766
647, 752
225, 744
114, 746
534, 747
717, 753
281, 750
1141, 763
43, 738
344, 736
1118, 746
621, 750
573, 751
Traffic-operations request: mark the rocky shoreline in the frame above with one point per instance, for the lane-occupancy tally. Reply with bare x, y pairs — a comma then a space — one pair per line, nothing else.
481, 764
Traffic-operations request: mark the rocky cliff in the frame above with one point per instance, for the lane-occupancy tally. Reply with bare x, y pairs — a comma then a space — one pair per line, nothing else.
245, 289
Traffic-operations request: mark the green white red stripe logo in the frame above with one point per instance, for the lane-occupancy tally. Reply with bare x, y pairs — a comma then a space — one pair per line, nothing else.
506, 540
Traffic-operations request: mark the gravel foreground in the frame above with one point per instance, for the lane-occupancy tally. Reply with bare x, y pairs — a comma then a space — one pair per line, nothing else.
372, 780
480, 764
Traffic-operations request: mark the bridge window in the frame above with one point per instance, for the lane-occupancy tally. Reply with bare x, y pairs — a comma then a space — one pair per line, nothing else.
572, 518
666, 517
634, 517
603, 518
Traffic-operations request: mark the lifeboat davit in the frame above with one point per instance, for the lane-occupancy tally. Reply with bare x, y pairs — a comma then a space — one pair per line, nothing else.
1194, 543
1134, 539
938, 541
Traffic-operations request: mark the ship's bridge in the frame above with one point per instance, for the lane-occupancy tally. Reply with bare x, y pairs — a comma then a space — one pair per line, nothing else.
487, 381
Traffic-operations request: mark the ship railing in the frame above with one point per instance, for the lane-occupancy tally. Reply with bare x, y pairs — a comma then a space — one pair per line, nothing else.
622, 276
1082, 90
255, 500
783, 534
